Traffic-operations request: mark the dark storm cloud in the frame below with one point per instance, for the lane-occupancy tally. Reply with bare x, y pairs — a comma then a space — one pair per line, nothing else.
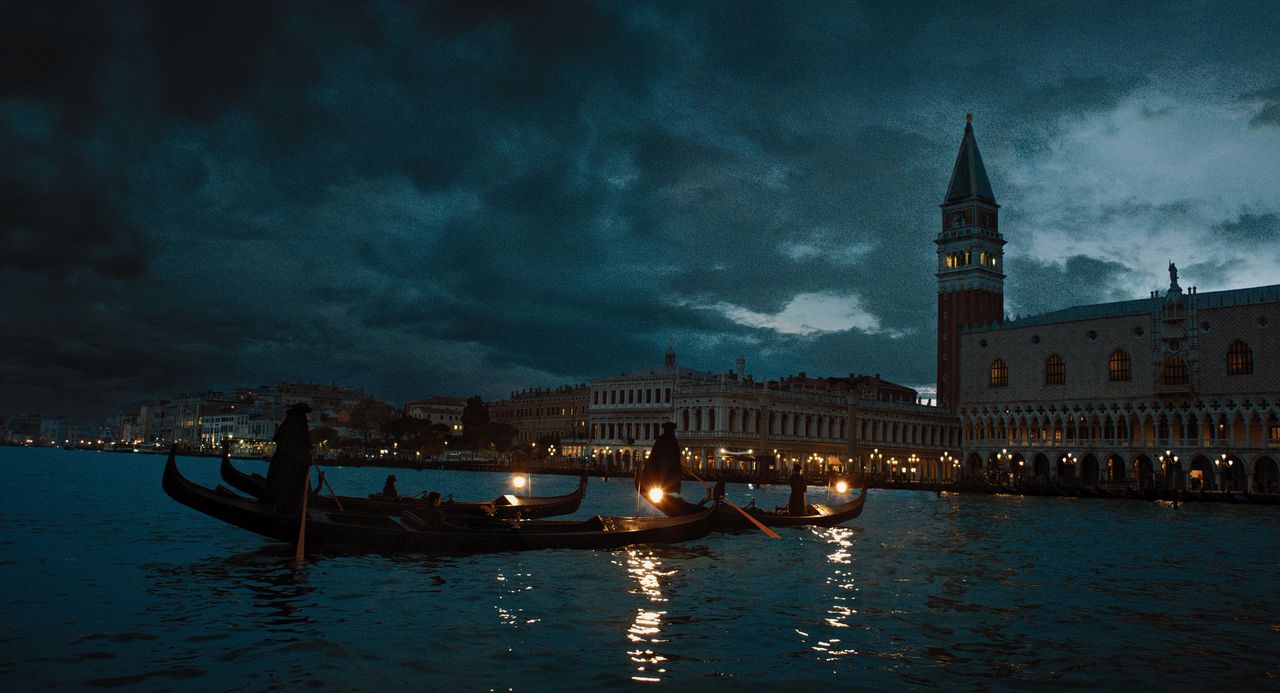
1269, 115
1251, 229
460, 197
1080, 280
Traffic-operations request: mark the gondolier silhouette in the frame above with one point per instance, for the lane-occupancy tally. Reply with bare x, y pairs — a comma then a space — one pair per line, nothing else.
291, 463
662, 469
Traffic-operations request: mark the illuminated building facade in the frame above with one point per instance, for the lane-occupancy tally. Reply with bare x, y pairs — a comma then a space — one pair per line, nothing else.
1180, 389
731, 421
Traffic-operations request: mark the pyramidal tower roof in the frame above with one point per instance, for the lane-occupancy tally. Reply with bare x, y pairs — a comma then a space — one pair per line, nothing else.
969, 177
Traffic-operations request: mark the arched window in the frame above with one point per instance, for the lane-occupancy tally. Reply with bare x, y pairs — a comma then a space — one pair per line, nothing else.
1119, 367
1175, 371
1055, 371
999, 373
1239, 359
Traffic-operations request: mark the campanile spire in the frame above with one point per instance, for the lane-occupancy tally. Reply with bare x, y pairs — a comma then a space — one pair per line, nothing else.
970, 261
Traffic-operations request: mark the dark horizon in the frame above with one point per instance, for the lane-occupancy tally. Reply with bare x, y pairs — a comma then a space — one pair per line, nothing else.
475, 199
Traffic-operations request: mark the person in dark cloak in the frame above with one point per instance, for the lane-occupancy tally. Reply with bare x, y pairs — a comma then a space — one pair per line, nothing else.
291, 465
389, 488
662, 469
796, 504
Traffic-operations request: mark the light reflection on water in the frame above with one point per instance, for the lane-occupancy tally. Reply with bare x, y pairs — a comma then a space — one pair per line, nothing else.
645, 567
843, 586
108, 583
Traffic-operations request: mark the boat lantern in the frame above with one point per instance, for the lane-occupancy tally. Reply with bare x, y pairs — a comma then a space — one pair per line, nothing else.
655, 494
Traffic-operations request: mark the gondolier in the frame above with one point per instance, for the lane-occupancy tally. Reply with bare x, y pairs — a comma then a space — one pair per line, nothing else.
662, 469
291, 462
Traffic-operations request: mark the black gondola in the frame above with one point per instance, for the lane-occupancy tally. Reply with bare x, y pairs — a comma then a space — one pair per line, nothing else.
729, 519
504, 506
370, 532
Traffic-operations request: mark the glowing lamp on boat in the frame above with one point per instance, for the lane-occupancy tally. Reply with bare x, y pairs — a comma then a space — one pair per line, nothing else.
841, 486
655, 494
519, 481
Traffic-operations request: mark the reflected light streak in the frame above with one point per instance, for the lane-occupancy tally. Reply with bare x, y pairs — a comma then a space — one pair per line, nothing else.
511, 615
840, 612
646, 629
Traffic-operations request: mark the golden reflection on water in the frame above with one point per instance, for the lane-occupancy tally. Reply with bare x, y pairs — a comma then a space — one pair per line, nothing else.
841, 611
513, 587
646, 629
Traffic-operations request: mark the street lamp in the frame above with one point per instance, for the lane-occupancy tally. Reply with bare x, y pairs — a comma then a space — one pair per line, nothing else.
1224, 464
1167, 461
1002, 460
914, 460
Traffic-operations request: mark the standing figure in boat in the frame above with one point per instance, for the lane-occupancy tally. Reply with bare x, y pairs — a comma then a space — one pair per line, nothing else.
287, 476
796, 504
662, 469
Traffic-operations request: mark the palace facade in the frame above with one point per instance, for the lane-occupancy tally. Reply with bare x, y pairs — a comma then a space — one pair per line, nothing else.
731, 421
1180, 389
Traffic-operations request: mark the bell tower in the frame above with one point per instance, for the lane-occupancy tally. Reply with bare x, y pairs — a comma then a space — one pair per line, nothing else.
970, 261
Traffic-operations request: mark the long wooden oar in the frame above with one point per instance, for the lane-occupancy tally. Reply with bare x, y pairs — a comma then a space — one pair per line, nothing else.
768, 532
325, 480
302, 520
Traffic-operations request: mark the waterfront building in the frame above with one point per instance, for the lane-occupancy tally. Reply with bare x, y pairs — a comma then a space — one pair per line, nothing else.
326, 401
731, 421
1181, 388
141, 422
23, 429
439, 410
186, 413
544, 416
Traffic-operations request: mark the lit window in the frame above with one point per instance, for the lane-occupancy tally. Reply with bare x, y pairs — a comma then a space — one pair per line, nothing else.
1239, 359
999, 373
1119, 366
1055, 371
1175, 371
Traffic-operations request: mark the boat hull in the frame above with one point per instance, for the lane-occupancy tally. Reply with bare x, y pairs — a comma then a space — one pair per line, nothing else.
730, 519
371, 532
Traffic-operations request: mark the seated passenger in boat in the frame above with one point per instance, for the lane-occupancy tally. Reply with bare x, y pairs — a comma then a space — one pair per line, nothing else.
389, 488
432, 516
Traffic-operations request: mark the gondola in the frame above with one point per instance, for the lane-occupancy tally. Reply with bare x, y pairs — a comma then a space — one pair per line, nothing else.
372, 532
505, 506
729, 519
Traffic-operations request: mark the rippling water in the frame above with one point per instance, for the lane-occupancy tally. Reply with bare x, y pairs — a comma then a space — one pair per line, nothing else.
107, 583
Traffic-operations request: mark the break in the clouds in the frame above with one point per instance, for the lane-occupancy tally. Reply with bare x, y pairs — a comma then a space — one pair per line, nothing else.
809, 314
466, 197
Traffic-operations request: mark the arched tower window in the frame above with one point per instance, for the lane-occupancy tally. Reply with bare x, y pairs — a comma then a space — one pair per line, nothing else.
999, 373
1239, 359
1175, 371
1119, 367
1055, 371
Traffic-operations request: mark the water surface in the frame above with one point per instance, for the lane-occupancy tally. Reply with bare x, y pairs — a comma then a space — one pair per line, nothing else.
107, 583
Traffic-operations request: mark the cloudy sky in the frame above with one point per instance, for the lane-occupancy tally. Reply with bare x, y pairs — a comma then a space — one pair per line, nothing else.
470, 198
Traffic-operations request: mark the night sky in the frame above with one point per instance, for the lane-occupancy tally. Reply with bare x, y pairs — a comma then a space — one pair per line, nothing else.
470, 198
